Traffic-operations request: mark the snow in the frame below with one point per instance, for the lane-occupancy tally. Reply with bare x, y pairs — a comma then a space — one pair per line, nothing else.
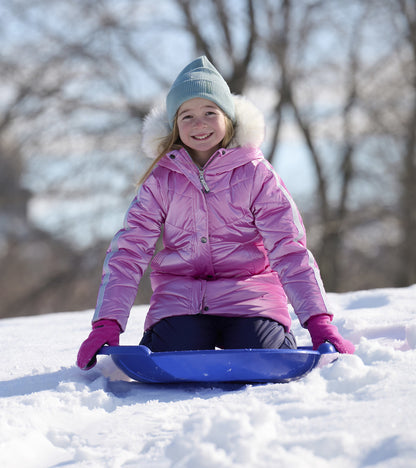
357, 412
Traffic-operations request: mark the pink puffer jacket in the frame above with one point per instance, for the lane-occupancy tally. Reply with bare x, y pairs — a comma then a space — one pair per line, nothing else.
234, 244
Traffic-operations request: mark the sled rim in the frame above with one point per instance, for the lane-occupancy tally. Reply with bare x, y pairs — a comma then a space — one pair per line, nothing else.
223, 365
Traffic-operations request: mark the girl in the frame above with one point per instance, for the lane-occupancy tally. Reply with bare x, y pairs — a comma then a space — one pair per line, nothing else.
234, 242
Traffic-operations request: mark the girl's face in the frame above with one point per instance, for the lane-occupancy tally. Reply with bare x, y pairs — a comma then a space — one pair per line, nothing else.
202, 127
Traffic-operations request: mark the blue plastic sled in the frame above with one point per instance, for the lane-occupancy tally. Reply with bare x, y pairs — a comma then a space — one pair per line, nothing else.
224, 365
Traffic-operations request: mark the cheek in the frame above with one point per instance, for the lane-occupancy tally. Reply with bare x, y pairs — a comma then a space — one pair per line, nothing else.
182, 130
222, 128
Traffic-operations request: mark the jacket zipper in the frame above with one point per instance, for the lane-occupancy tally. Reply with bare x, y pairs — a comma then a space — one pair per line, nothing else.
203, 181
201, 175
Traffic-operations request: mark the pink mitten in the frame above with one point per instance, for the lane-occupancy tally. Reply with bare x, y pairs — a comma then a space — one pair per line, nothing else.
321, 330
104, 331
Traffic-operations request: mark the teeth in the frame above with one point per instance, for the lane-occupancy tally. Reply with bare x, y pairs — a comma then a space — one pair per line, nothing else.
201, 137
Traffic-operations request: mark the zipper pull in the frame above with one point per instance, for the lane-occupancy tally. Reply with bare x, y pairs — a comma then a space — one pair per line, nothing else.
202, 180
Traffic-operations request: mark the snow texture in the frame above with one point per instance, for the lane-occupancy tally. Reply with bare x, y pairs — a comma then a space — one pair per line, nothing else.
358, 412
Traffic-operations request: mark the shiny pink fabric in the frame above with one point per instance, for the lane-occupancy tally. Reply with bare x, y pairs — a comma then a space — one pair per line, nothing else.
234, 244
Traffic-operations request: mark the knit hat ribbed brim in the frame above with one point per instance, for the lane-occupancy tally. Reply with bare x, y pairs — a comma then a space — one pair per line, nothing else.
199, 79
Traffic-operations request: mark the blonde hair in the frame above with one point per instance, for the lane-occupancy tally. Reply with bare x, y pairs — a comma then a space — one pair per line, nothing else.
173, 142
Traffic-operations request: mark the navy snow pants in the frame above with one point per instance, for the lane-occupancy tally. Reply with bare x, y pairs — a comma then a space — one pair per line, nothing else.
187, 332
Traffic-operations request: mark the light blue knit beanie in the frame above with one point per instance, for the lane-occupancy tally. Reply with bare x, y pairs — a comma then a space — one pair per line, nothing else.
199, 79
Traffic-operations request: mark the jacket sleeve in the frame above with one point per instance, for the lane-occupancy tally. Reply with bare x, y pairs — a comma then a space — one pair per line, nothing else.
129, 255
281, 227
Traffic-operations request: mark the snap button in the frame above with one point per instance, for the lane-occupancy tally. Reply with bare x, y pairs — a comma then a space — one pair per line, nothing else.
172, 156
206, 308
204, 240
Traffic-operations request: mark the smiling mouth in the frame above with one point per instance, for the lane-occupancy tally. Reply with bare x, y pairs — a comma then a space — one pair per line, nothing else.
202, 137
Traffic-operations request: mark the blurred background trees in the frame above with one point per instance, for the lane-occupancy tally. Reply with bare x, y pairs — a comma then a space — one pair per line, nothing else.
335, 80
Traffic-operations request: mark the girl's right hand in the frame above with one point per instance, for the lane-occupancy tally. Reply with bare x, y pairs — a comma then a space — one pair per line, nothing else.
104, 331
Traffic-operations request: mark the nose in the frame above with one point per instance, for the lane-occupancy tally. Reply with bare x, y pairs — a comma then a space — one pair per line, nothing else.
199, 122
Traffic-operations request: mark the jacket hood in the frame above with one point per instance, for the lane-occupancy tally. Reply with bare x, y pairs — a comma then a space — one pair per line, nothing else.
249, 132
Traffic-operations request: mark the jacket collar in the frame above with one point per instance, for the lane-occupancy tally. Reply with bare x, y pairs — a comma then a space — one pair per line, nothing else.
249, 132
223, 160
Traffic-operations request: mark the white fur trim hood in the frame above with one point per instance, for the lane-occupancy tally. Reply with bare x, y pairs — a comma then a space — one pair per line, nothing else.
249, 130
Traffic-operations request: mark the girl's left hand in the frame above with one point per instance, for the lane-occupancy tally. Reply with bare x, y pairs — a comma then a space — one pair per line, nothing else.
321, 330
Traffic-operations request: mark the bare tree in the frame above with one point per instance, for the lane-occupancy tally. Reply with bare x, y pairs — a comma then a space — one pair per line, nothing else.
78, 77
407, 273
338, 105
232, 41
290, 29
